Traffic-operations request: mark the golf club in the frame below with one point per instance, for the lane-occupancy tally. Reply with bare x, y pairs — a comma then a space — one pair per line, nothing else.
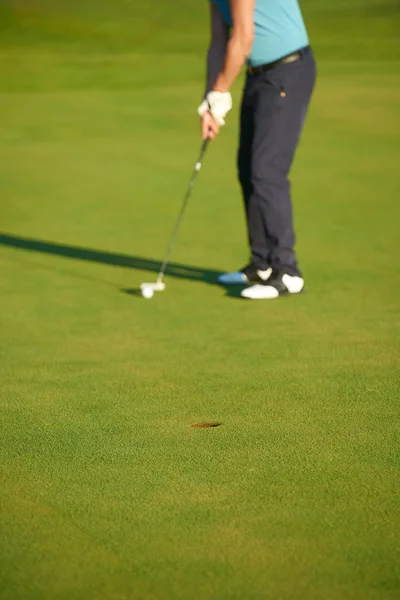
148, 289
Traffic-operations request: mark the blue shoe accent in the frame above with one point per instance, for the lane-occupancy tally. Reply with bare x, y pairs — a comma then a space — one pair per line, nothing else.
237, 277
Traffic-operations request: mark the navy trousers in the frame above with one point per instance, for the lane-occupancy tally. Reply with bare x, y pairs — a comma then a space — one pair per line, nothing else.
273, 110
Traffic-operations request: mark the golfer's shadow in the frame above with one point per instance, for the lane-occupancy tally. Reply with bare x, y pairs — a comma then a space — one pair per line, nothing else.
177, 270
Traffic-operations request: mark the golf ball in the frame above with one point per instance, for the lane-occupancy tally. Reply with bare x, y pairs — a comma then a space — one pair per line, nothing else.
147, 292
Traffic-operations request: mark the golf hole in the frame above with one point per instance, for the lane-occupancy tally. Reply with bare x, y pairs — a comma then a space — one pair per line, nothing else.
203, 425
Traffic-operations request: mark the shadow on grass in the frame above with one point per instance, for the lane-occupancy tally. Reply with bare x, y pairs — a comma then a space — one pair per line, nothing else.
110, 258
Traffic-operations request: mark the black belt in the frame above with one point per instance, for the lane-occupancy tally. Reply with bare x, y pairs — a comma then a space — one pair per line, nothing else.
281, 61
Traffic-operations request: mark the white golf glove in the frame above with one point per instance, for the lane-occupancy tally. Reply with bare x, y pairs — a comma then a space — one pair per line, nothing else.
218, 104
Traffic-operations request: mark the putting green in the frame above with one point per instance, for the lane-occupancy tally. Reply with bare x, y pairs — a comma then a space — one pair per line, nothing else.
107, 492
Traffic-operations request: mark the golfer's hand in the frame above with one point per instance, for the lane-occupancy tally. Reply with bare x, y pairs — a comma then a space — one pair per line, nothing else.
213, 111
209, 127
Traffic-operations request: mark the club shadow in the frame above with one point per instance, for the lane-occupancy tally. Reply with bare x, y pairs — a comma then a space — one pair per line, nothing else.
178, 270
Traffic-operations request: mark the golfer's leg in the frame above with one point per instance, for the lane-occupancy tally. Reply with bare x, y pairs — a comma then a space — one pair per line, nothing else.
255, 226
283, 97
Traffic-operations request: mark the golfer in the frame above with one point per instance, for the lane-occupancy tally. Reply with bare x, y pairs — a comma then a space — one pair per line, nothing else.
270, 37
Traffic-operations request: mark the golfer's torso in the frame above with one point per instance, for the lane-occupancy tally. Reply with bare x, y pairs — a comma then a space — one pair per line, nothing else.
279, 29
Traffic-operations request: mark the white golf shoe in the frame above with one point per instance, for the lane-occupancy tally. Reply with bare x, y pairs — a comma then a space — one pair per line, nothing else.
278, 284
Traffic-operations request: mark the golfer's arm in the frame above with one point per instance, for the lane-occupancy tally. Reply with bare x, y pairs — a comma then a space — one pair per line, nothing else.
217, 48
239, 45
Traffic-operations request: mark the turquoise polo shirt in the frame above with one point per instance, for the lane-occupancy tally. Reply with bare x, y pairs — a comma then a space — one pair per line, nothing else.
279, 29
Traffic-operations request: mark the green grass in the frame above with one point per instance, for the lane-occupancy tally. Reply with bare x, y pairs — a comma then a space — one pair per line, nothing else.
106, 492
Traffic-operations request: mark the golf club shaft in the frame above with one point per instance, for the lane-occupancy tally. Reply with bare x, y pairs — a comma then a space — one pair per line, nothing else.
184, 204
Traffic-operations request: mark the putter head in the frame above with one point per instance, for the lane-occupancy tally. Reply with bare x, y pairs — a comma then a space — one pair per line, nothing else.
158, 286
